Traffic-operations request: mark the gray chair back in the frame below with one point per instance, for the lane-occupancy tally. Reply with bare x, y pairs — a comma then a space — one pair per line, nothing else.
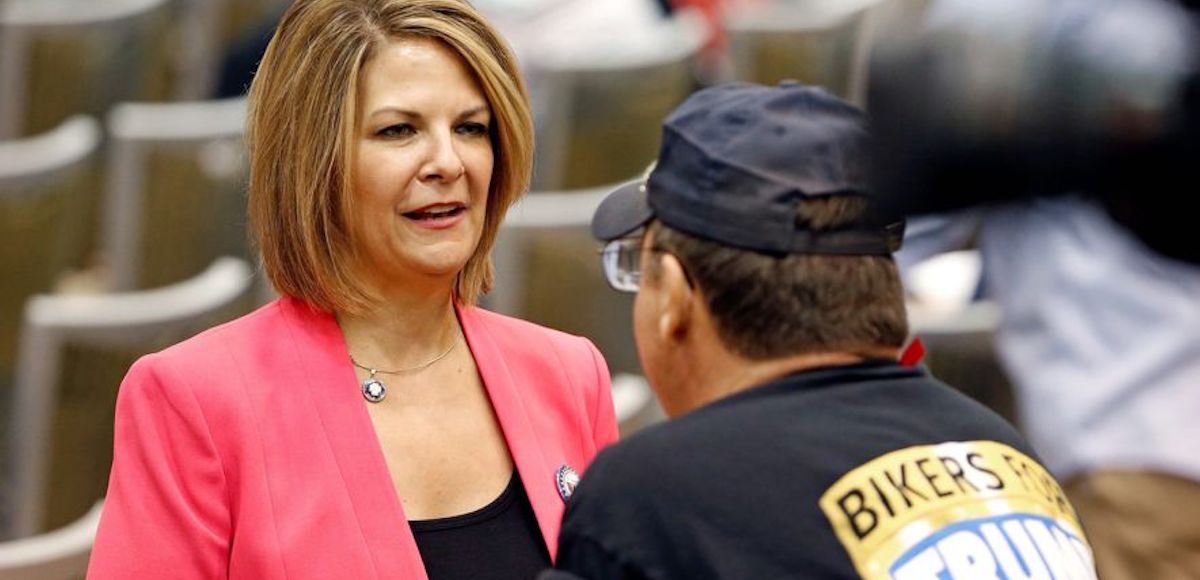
61, 554
601, 112
46, 194
59, 58
75, 349
176, 173
817, 42
548, 271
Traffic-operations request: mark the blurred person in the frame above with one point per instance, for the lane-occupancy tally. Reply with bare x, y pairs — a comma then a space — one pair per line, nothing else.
770, 319
1099, 337
1094, 271
1000, 100
373, 422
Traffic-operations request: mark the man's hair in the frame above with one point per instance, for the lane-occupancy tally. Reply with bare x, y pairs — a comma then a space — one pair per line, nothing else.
301, 135
768, 306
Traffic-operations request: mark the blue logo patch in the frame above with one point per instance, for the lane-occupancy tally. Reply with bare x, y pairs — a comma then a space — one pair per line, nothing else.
1013, 546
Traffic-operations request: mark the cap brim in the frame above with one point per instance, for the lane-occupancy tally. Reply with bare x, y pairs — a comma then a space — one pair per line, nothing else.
622, 212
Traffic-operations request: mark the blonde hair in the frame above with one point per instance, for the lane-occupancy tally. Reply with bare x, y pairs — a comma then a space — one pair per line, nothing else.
301, 126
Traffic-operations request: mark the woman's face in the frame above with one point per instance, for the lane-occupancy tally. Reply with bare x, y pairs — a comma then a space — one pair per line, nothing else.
422, 163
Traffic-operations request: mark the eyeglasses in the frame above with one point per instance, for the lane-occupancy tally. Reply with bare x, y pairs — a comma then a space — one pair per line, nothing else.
621, 261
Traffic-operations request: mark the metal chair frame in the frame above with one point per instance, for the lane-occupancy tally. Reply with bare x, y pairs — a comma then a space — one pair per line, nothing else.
124, 319
135, 130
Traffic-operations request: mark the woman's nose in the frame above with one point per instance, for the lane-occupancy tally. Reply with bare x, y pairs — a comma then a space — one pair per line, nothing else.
443, 162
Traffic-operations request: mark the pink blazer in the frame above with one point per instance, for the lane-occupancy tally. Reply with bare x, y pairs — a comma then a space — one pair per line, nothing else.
246, 452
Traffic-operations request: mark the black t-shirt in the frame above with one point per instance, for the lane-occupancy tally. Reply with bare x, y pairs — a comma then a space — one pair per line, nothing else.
871, 470
500, 541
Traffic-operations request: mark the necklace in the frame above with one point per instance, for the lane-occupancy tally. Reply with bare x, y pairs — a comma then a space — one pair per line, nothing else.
375, 391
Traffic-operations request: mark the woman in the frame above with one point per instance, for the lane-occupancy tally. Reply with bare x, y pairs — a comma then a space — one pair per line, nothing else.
372, 423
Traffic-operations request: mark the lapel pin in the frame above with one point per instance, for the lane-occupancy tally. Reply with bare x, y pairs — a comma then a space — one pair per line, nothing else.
566, 479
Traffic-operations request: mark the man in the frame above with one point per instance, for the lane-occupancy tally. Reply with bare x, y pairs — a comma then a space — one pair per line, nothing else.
769, 318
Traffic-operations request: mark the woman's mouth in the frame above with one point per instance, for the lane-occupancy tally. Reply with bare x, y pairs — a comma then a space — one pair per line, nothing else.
438, 216
433, 213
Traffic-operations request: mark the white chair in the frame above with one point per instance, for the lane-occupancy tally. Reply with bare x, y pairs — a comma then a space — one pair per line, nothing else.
63, 57
537, 211
600, 111
22, 160
904, 17
548, 271
173, 197
73, 438
61, 554
817, 42
45, 198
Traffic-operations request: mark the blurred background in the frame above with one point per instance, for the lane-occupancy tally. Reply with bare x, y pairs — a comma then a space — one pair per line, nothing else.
122, 180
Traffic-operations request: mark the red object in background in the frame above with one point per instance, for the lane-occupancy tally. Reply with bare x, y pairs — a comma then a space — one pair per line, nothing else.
713, 11
913, 353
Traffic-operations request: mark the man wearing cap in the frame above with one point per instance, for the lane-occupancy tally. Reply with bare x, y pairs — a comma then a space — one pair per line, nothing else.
769, 318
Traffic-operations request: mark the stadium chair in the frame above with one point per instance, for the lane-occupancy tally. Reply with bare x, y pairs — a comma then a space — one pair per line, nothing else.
75, 349
548, 271
817, 42
45, 193
601, 111
61, 554
59, 58
174, 194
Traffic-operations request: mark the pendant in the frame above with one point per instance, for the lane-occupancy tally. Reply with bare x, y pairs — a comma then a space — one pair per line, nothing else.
373, 390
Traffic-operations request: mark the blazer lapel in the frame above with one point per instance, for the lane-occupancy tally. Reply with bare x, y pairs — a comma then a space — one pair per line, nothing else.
504, 384
347, 426
321, 353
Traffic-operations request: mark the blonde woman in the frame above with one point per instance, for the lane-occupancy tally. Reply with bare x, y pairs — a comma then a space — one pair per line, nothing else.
372, 423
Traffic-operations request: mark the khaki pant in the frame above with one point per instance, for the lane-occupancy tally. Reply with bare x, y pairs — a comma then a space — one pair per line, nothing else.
1141, 525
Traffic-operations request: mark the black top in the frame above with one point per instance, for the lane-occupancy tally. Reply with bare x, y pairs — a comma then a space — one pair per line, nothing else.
500, 541
871, 470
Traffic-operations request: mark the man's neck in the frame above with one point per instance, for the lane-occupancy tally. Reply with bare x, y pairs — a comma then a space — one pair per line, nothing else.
728, 373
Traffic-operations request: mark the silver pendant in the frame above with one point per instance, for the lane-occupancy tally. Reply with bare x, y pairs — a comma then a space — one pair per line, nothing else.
373, 390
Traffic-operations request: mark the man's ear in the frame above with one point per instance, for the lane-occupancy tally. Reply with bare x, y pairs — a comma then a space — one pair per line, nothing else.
676, 299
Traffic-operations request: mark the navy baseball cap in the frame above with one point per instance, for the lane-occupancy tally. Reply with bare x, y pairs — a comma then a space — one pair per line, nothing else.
736, 161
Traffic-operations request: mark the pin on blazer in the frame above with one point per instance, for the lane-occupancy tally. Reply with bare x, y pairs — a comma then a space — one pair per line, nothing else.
246, 452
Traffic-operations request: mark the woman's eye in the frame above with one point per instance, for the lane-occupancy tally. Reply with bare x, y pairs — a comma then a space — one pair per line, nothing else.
396, 131
473, 129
